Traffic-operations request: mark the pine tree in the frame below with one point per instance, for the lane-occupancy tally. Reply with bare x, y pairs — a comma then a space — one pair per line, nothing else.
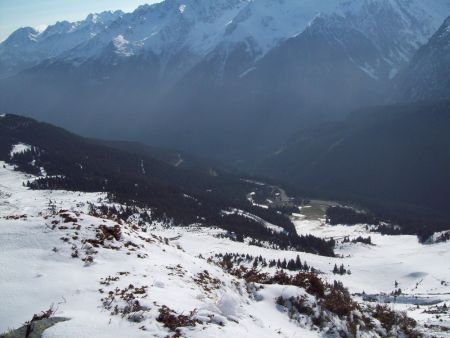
298, 263
335, 269
291, 265
305, 267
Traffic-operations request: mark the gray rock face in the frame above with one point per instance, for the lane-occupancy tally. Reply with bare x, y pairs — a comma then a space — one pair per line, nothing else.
36, 328
428, 75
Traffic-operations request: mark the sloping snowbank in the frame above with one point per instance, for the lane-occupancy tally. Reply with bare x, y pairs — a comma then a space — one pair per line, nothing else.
47, 238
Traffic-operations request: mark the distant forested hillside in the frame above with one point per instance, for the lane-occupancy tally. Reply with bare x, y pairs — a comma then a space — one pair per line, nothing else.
175, 195
394, 160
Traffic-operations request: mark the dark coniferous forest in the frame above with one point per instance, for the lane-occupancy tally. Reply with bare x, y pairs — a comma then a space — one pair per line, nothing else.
175, 195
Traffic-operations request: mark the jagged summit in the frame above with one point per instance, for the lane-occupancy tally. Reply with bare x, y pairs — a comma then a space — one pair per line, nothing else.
28, 47
200, 26
20, 36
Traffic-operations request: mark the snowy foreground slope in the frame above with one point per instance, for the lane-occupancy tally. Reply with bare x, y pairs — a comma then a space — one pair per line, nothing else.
112, 279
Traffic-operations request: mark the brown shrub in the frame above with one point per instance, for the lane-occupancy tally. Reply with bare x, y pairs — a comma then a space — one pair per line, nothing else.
67, 217
389, 318
339, 302
206, 281
310, 282
111, 233
174, 321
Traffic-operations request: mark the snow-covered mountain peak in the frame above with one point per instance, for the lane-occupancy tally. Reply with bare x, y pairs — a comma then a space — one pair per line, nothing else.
427, 77
103, 17
91, 22
267, 22
397, 27
422, 19
28, 46
200, 26
21, 36
193, 29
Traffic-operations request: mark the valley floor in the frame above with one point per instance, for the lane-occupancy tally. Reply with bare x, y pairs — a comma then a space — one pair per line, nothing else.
55, 254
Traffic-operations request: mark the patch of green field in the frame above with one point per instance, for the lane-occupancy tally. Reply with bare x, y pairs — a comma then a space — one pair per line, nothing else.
316, 209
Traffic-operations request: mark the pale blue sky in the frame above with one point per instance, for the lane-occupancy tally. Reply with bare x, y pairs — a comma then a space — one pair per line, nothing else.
20, 13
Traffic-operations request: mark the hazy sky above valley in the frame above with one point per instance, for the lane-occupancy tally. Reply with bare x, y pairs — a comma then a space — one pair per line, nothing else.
20, 13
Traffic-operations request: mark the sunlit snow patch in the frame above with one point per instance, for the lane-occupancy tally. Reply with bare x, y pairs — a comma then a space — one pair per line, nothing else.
19, 148
255, 218
121, 45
